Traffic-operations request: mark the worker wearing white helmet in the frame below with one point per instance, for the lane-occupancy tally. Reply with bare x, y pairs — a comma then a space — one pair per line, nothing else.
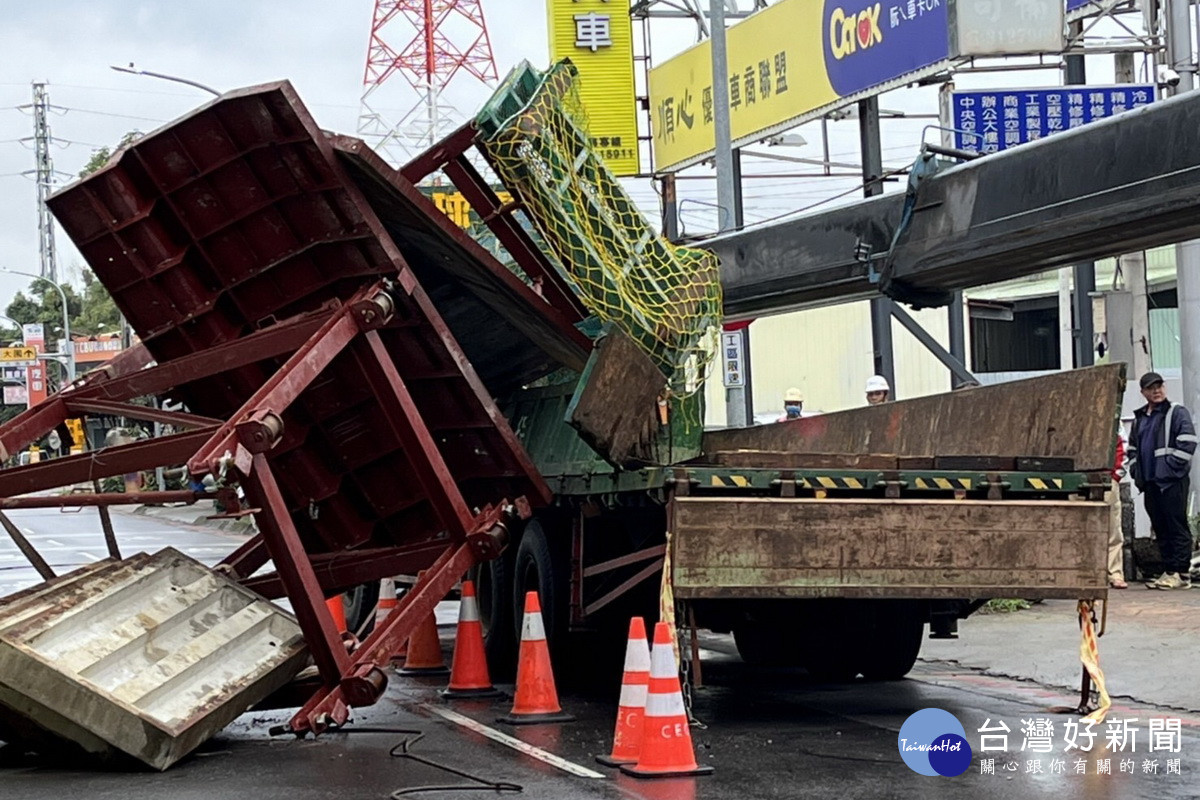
877, 390
793, 404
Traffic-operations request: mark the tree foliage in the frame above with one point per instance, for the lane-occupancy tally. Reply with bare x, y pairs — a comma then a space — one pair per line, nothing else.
101, 155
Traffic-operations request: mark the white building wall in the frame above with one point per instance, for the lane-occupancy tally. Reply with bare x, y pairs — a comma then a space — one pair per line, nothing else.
827, 354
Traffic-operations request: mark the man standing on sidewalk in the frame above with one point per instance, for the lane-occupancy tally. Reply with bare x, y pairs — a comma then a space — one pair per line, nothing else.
1161, 444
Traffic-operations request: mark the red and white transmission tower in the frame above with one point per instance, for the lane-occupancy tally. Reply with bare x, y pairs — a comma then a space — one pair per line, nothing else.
440, 38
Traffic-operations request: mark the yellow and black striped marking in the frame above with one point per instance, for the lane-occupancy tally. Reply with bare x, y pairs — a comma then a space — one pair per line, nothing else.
837, 482
730, 481
945, 484
1044, 484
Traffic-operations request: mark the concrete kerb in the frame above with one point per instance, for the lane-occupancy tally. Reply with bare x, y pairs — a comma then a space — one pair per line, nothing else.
197, 514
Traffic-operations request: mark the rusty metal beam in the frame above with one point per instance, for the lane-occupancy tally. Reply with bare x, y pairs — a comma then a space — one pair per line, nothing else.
285, 337
102, 499
283, 387
27, 549
645, 573
296, 572
657, 551
247, 559
31, 425
87, 405
174, 449
402, 414
439, 154
343, 570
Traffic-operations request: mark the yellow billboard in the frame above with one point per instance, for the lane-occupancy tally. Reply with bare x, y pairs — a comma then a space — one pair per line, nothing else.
597, 35
787, 61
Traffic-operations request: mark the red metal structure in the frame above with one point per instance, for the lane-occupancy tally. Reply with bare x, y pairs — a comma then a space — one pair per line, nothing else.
338, 343
428, 42
440, 37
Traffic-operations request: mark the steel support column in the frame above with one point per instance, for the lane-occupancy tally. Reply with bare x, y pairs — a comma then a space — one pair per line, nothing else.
958, 334
958, 370
882, 308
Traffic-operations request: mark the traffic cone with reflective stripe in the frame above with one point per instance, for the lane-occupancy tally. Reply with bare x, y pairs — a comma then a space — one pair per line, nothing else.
469, 672
425, 649
627, 740
387, 606
536, 699
666, 740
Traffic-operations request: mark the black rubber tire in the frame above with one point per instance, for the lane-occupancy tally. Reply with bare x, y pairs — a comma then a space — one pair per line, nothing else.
761, 645
359, 605
541, 566
494, 590
892, 641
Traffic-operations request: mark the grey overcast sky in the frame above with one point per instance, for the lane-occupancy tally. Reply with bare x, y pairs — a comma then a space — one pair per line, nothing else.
320, 45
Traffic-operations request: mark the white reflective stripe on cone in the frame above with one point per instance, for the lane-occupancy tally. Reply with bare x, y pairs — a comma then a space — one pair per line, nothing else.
532, 629
637, 656
633, 696
665, 705
468, 610
662, 662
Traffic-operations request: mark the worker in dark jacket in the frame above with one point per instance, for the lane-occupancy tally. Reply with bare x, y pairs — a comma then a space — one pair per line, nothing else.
1161, 444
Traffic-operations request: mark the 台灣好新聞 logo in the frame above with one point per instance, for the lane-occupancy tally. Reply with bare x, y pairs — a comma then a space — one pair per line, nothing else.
933, 742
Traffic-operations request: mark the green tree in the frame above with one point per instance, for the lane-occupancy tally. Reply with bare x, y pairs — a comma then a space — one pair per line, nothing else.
101, 155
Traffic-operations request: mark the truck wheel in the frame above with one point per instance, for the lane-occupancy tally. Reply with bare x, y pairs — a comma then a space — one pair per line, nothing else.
890, 646
359, 605
830, 659
539, 568
761, 645
494, 590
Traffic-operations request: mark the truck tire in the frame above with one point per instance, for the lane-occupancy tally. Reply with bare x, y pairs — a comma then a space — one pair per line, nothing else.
761, 645
891, 643
359, 606
494, 591
540, 566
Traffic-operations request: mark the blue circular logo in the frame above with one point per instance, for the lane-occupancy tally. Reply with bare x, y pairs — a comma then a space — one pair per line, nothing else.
933, 742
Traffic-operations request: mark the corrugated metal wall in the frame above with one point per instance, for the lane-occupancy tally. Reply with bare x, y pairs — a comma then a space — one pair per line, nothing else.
827, 354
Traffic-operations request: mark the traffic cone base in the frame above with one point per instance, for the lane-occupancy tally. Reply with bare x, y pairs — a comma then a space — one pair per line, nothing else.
631, 707
469, 674
533, 719
631, 769
666, 746
536, 699
425, 651
467, 694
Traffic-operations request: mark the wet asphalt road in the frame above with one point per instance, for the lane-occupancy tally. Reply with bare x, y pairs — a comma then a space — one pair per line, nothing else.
769, 733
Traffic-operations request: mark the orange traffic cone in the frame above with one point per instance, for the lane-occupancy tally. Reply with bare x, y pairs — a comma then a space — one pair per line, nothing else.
627, 740
469, 672
338, 611
424, 650
536, 699
666, 740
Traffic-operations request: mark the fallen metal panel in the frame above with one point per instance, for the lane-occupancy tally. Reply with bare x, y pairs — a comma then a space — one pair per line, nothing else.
143, 658
1068, 415
240, 217
510, 333
807, 548
1111, 187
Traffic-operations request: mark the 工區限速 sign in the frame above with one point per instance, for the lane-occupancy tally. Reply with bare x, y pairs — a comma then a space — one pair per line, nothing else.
996, 119
597, 35
787, 63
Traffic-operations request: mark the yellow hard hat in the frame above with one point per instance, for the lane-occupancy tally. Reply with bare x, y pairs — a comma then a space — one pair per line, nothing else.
793, 395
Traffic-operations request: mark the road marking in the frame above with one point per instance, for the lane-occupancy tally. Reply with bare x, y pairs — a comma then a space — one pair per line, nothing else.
91, 557
516, 744
51, 542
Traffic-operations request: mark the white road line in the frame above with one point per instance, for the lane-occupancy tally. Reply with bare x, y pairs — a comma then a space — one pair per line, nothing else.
516, 744
52, 542
90, 556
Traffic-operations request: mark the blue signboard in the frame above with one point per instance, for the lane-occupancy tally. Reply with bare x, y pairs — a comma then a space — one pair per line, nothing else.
868, 43
1073, 5
997, 119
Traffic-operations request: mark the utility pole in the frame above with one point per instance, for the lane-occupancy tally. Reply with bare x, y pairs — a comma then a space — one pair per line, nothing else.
44, 176
1085, 272
1133, 267
739, 407
872, 172
1187, 254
